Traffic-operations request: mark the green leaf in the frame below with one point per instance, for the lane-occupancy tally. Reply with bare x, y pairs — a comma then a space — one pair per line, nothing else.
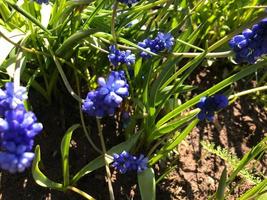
263, 195
222, 185
177, 139
123, 40
93, 14
167, 71
99, 161
256, 190
39, 177
65, 146
137, 67
4, 11
216, 88
255, 151
73, 40
147, 184
28, 16
171, 126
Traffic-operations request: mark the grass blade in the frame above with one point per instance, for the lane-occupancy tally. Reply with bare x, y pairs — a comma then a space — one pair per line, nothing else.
147, 184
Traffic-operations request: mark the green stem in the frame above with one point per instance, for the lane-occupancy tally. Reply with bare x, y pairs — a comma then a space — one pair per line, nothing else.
102, 141
82, 119
208, 55
247, 92
248, 7
62, 74
114, 14
190, 45
80, 192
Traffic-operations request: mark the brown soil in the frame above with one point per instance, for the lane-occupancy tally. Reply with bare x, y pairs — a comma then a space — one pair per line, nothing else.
238, 128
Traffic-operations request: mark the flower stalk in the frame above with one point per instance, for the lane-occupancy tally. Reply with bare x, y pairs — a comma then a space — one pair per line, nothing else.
102, 141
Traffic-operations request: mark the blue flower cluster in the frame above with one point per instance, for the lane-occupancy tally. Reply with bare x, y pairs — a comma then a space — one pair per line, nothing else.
17, 130
108, 96
10, 99
161, 42
117, 57
209, 105
42, 1
128, 2
125, 162
251, 44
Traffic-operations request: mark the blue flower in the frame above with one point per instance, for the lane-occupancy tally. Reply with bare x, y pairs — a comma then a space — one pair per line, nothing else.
160, 43
139, 163
251, 44
128, 2
10, 98
117, 57
15, 162
122, 162
17, 131
42, 1
108, 96
125, 162
209, 105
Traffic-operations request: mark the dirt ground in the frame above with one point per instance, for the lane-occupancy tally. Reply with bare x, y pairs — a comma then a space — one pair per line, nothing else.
238, 128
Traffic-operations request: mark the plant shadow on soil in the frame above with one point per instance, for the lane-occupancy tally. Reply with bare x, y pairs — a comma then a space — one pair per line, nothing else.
240, 127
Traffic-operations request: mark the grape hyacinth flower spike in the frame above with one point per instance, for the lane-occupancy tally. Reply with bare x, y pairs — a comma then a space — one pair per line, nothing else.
209, 105
125, 162
117, 57
42, 1
128, 2
160, 43
17, 130
10, 98
251, 44
108, 96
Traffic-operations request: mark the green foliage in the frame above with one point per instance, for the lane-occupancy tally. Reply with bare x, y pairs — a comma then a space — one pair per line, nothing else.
222, 184
53, 42
257, 192
147, 185
230, 159
39, 177
65, 146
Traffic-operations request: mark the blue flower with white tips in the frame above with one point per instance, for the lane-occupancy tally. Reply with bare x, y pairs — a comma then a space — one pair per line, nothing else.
160, 43
108, 96
11, 97
117, 57
125, 162
17, 130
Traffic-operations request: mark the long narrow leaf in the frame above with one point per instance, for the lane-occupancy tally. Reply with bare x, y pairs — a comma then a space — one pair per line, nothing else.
65, 146
216, 88
176, 141
39, 177
254, 191
222, 184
